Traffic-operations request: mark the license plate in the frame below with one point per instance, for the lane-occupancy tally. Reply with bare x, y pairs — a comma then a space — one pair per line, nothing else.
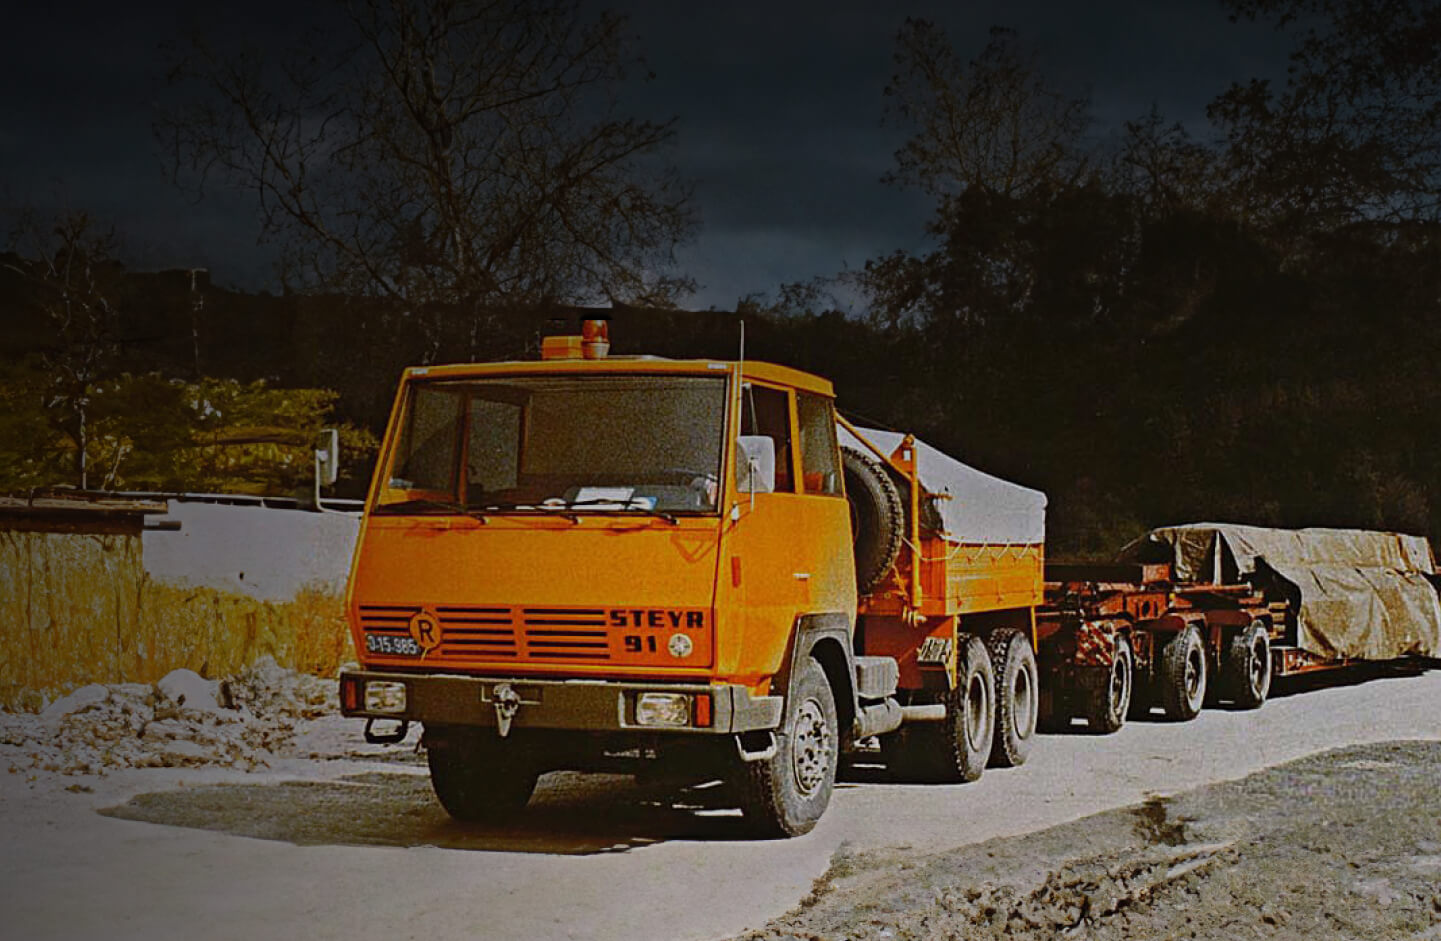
390, 644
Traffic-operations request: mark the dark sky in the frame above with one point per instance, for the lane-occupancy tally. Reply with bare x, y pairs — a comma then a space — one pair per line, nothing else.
780, 106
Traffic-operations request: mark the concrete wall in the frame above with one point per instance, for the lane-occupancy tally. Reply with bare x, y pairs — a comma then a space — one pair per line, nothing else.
258, 552
234, 583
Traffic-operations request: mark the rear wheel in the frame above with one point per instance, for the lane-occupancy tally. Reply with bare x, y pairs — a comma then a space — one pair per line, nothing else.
477, 776
1183, 675
957, 747
1017, 696
1246, 673
1107, 693
785, 795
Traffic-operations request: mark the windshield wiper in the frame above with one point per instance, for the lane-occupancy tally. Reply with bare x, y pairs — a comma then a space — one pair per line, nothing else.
631, 505
421, 505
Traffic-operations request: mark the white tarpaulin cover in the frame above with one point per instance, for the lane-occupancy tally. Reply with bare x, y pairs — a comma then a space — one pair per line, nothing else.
981, 509
1363, 595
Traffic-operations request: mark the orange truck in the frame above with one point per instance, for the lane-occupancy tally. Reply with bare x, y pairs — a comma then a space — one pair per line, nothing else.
683, 567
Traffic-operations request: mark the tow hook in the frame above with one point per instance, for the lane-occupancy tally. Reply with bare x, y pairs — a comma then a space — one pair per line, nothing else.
764, 753
507, 704
386, 738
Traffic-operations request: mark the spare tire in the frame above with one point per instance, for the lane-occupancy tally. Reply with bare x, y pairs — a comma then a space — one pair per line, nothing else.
878, 518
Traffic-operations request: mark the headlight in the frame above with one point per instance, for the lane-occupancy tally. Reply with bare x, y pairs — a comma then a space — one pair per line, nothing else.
665, 709
384, 697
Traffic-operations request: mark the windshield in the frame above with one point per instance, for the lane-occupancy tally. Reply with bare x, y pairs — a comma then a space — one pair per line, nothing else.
532, 443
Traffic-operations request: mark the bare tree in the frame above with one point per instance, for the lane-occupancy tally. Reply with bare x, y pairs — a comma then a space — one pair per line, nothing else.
452, 155
993, 123
1353, 136
998, 148
69, 272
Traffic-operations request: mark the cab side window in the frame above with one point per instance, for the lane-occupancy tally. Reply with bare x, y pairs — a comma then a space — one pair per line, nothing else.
820, 467
767, 412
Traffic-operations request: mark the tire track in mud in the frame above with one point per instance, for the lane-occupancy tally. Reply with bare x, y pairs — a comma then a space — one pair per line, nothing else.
1346, 844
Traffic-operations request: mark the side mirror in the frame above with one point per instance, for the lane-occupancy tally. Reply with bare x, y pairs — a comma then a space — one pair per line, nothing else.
755, 464
327, 458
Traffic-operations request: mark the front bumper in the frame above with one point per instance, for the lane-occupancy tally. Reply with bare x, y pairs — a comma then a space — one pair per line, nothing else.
576, 705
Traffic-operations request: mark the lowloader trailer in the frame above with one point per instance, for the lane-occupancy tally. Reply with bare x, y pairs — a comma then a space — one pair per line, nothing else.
1210, 613
696, 569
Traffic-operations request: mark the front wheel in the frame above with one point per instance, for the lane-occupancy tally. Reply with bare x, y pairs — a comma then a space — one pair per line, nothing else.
785, 795
477, 776
1183, 675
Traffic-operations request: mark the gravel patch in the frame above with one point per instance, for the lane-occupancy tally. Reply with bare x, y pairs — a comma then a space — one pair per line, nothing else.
1342, 845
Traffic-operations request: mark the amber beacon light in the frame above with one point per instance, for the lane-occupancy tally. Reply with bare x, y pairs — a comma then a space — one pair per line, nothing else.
595, 338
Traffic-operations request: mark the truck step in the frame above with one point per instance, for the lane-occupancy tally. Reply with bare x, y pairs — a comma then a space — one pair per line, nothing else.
876, 677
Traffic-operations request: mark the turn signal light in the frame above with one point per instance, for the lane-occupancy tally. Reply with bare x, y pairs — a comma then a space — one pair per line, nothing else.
350, 687
703, 718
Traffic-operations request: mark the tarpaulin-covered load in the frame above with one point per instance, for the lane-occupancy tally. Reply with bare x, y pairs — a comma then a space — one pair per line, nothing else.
1362, 595
977, 508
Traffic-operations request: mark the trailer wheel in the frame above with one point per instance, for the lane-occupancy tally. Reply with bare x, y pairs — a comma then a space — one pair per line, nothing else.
878, 518
785, 795
478, 777
1017, 696
1246, 673
958, 747
1107, 694
1183, 675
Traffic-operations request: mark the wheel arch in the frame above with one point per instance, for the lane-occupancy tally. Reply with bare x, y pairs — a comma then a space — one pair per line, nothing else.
827, 638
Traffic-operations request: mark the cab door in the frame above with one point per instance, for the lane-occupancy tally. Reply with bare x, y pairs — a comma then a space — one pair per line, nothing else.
787, 549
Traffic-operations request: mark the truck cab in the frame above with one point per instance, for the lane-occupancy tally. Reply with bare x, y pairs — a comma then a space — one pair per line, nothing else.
606, 563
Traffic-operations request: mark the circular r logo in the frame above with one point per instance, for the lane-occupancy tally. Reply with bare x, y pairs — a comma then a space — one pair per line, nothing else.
425, 630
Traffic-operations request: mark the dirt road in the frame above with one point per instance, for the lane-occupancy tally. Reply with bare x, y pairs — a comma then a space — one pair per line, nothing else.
346, 848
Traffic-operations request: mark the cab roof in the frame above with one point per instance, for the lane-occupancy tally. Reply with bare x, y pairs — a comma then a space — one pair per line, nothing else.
752, 369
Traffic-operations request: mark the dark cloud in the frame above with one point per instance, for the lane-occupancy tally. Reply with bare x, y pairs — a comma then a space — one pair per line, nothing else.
780, 107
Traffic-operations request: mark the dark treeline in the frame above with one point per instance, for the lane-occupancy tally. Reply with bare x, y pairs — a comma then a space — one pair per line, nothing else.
1150, 324
1155, 328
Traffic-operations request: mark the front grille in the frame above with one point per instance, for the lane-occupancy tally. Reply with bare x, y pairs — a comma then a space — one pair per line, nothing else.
386, 619
566, 633
488, 633
477, 632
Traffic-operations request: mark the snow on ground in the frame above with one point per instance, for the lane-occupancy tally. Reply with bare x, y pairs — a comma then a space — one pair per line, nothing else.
243, 722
